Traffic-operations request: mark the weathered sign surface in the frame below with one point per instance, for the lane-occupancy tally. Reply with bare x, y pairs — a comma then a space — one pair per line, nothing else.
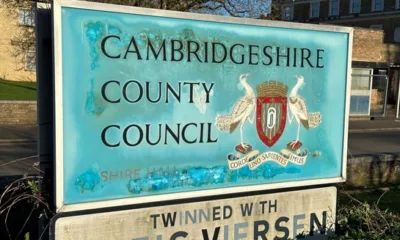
282, 215
154, 105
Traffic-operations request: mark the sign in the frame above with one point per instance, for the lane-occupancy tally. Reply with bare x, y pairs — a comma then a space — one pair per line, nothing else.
283, 215
156, 105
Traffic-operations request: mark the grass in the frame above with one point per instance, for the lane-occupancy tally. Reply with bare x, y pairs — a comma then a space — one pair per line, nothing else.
13, 90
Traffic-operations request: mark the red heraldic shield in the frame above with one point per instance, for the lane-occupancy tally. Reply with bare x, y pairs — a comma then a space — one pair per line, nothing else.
271, 118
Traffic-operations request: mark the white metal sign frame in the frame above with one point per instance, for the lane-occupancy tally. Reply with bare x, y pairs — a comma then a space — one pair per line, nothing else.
59, 162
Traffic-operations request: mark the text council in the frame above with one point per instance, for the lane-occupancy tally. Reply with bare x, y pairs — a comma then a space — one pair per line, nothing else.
135, 134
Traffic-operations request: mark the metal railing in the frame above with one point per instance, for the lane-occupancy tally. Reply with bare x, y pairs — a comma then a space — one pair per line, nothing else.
398, 102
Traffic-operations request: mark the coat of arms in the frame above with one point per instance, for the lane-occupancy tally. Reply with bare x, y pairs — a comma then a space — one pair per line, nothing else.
272, 108
271, 111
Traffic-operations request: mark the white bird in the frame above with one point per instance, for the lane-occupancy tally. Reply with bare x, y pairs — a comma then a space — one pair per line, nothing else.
240, 113
298, 108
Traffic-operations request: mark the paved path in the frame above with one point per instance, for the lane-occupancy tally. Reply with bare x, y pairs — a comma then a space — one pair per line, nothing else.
18, 133
374, 126
18, 159
374, 142
365, 137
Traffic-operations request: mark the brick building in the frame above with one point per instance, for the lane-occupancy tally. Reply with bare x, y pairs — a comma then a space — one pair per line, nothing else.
12, 67
376, 14
376, 47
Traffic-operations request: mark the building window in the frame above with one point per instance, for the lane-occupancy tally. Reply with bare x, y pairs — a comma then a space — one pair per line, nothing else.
376, 26
397, 4
355, 6
397, 34
333, 7
26, 17
314, 9
30, 61
287, 13
377, 5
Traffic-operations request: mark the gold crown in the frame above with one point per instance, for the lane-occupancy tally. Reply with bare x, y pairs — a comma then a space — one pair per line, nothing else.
272, 89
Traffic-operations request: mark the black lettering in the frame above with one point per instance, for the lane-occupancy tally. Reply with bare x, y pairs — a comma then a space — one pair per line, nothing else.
251, 54
190, 51
263, 206
201, 132
314, 220
103, 136
214, 50
154, 216
216, 213
246, 209
191, 90
140, 91
135, 50
174, 49
175, 136
151, 48
231, 54
227, 214
283, 229
305, 57
208, 91
103, 46
179, 234
295, 57
261, 233
125, 137
319, 58
215, 235
148, 92
184, 133
148, 135
209, 140
267, 55
206, 52
103, 92
172, 90
169, 219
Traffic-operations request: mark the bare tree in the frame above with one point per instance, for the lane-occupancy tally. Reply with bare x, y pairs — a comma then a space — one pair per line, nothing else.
24, 41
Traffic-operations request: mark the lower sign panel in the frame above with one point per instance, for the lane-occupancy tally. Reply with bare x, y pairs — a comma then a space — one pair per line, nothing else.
282, 215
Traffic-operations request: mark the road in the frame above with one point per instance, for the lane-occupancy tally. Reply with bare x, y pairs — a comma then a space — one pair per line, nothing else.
18, 158
359, 143
374, 142
18, 131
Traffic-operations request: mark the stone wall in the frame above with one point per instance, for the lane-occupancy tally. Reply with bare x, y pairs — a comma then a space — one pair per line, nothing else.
373, 170
18, 112
12, 67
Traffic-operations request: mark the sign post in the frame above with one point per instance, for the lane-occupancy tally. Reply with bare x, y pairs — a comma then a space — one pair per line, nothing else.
154, 105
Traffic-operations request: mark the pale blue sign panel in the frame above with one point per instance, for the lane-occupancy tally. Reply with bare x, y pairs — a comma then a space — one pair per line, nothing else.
154, 105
